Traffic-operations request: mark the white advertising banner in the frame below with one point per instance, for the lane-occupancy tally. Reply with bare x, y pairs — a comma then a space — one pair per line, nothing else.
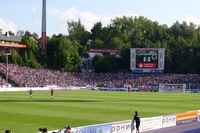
146, 124
152, 123
114, 127
121, 127
169, 121
102, 128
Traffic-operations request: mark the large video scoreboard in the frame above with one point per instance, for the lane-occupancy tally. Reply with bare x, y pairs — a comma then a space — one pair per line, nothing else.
147, 60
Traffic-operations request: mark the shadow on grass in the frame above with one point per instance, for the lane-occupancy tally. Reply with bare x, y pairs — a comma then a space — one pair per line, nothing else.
157, 100
87, 100
50, 100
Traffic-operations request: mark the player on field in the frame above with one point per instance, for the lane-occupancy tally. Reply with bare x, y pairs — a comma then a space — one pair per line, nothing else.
129, 88
52, 92
30, 93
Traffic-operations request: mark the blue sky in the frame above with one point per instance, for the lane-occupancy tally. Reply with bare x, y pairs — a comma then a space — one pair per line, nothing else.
26, 14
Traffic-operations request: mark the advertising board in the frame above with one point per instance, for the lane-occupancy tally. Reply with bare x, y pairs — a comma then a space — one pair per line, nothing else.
121, 127
102, 128
114, 127
186, 117
168, 120
147, 124
152, 123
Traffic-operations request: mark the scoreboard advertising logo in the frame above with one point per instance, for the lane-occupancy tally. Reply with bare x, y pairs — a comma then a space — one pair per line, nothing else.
147, 59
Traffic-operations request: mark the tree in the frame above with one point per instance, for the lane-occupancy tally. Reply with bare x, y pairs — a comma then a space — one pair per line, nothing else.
30, 55
108, 63
181, 41
62, 53
125, 58
77, 32
16, 58
96, 31
98, 43
123, 27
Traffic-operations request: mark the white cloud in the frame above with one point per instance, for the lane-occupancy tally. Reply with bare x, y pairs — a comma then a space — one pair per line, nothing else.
34, 9
88, 19
7, 25
189, 18
37, 22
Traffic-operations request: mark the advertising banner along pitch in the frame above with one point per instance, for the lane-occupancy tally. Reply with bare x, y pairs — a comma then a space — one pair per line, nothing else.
186, 117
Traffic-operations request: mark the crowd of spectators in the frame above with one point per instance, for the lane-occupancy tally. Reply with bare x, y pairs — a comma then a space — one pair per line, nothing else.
3, 82
25, 76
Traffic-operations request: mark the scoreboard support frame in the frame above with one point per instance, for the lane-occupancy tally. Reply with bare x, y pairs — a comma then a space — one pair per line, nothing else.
159, 64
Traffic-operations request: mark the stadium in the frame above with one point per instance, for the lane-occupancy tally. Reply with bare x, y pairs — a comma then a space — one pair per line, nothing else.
94, 81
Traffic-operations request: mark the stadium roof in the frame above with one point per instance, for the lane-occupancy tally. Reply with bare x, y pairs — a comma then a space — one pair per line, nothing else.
10, 38
11, 45
10, 42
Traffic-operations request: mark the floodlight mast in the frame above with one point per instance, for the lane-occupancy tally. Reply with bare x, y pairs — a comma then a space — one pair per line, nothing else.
43, 41
7, 68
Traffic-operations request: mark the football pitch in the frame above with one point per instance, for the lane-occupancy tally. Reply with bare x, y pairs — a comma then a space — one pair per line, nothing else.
79, 108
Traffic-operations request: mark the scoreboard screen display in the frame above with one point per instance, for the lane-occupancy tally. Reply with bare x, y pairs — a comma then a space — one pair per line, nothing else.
147, 59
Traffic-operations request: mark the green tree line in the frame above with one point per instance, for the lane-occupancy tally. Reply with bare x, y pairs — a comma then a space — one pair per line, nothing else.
65, 52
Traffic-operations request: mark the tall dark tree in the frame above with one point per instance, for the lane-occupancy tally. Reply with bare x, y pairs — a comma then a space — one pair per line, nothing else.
62, 53
78, 33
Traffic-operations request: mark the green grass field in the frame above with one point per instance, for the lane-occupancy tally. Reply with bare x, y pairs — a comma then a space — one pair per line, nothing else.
78, 108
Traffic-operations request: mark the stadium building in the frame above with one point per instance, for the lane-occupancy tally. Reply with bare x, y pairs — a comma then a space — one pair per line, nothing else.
7, 44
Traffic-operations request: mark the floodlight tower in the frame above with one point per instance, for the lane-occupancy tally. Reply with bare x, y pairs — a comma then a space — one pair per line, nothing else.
43, 41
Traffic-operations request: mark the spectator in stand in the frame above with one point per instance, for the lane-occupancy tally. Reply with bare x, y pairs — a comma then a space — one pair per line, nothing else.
68, 129
8, 131
144, 82
43, 130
